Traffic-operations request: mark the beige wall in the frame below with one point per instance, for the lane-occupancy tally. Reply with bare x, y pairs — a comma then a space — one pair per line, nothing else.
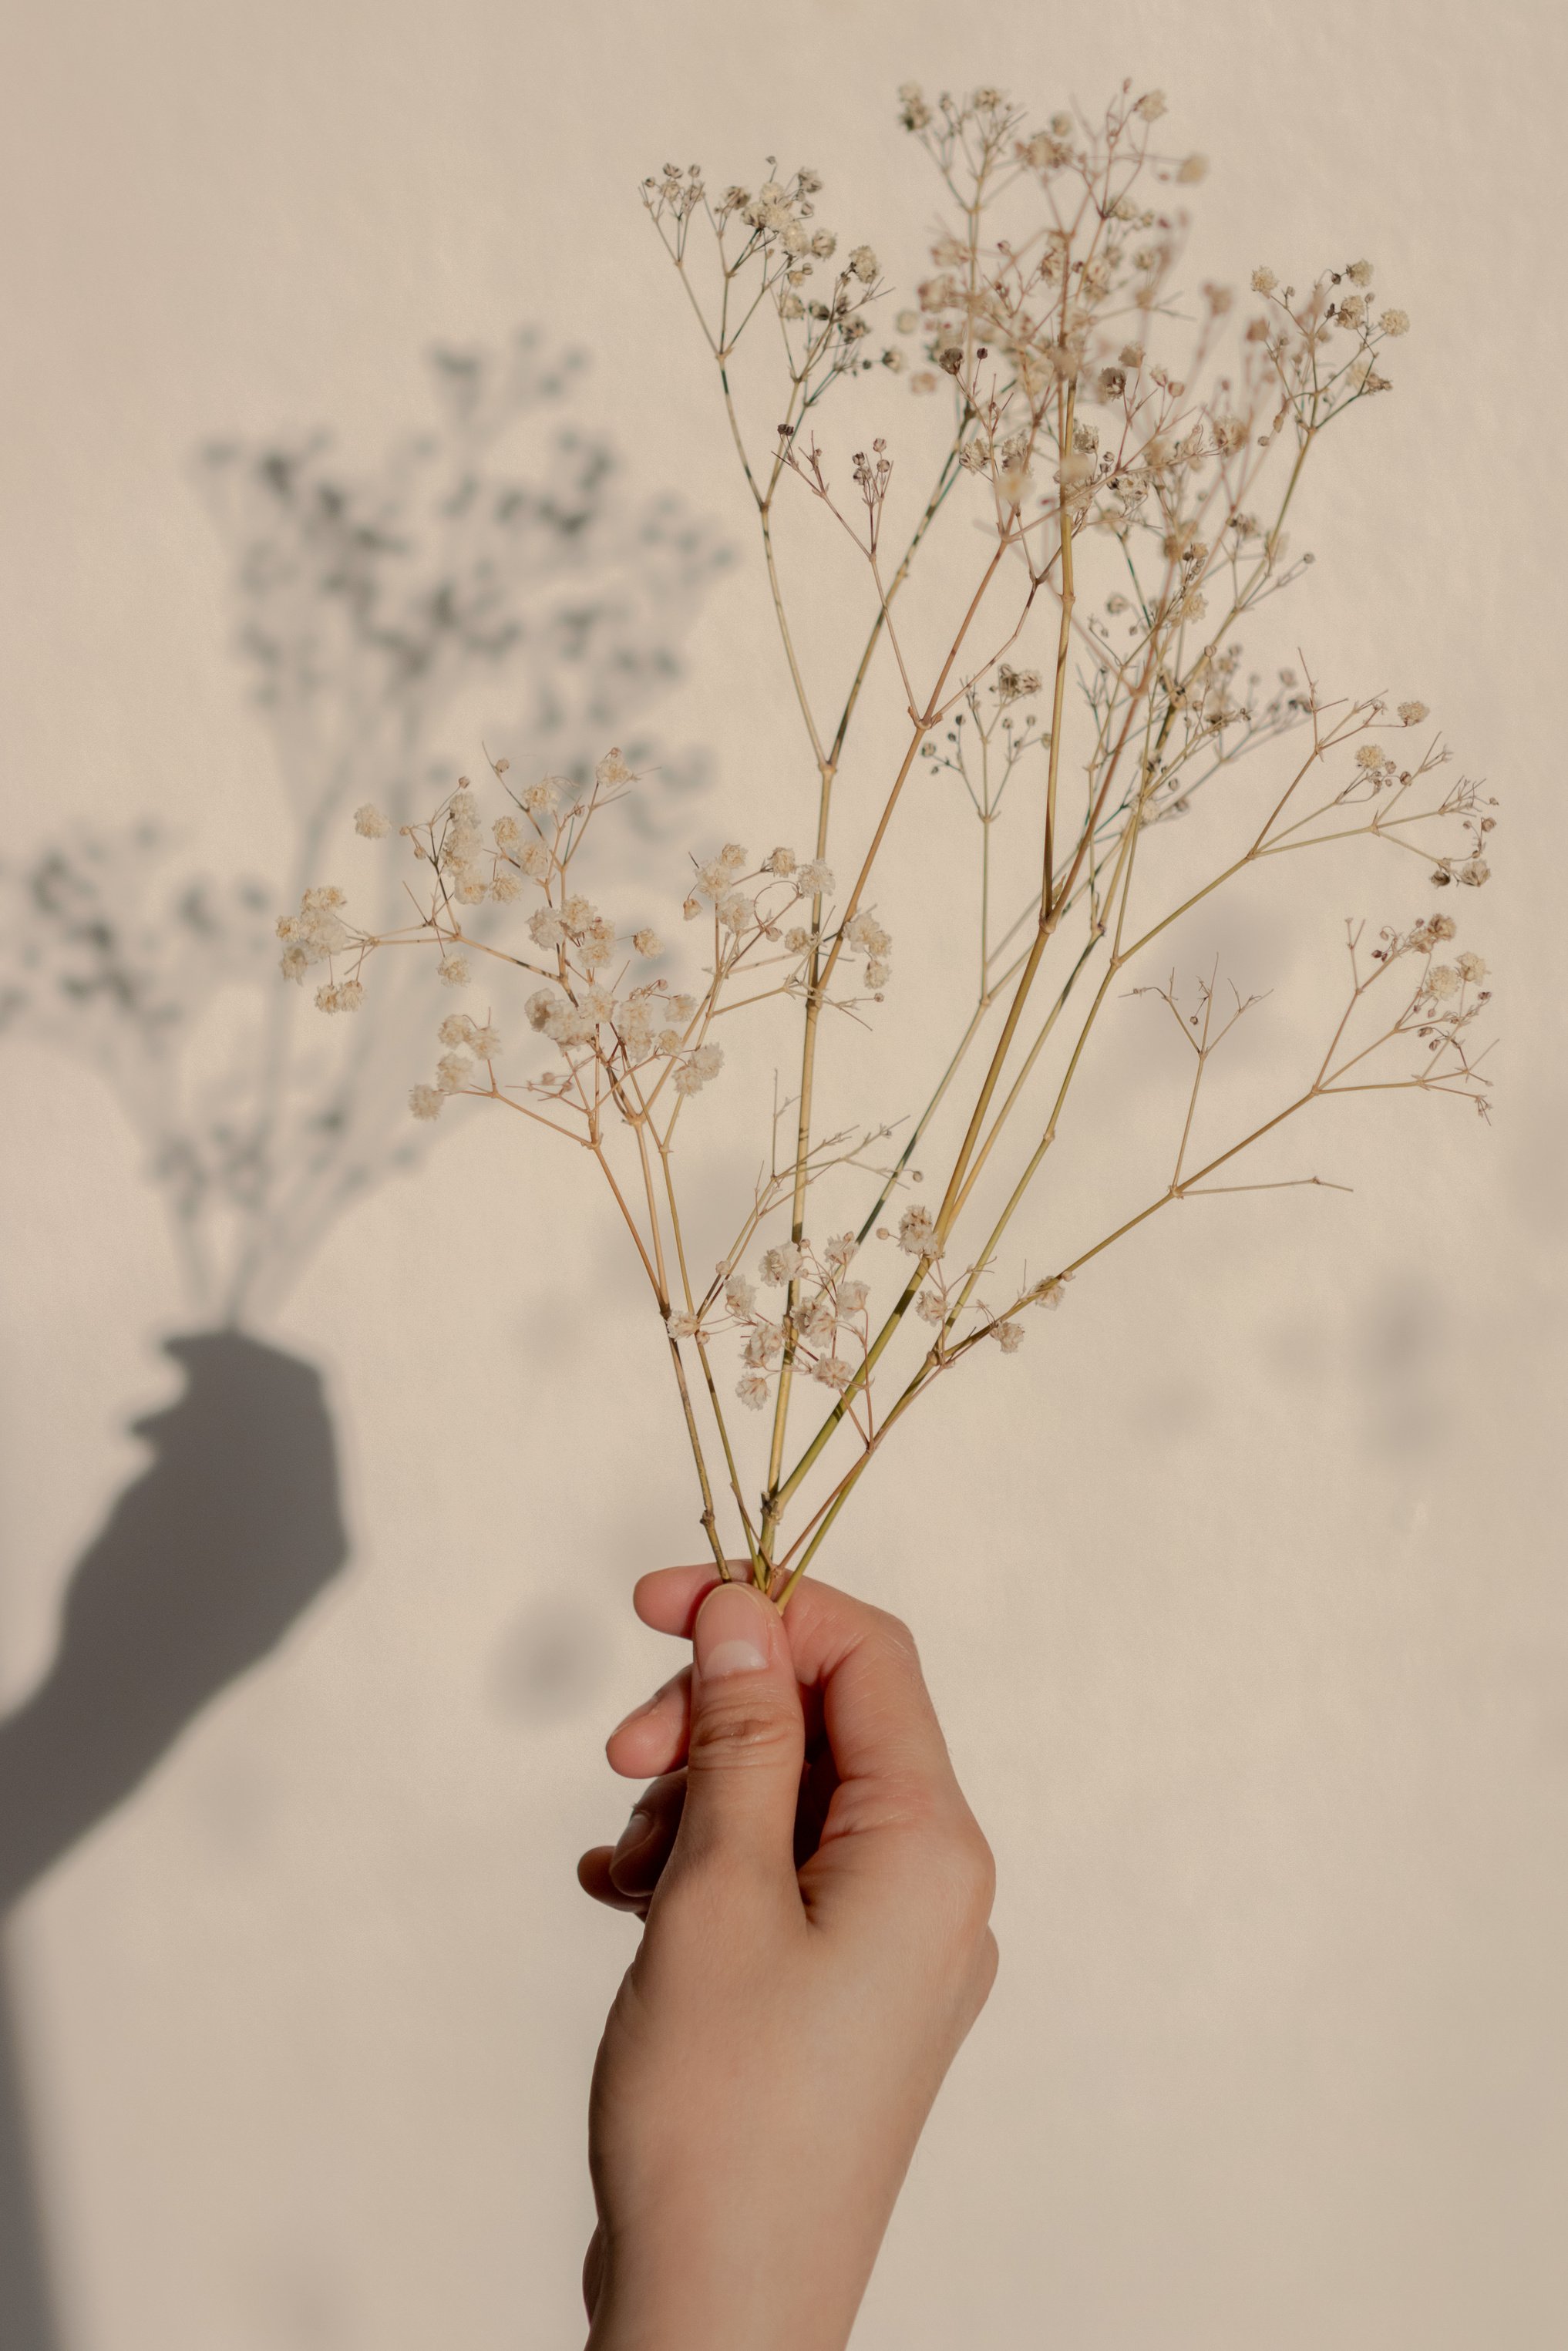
1262, 1705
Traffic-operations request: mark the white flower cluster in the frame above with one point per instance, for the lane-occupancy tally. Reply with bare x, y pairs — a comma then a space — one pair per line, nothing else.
467, 1041
825, 1311
316, 934
646, 1024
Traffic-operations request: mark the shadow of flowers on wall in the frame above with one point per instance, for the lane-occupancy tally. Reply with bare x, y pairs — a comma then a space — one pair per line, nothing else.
498, 555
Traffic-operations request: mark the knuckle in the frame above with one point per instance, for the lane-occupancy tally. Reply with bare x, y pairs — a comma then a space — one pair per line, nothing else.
744, 1730
968, 1871
984, 1974
895, 1636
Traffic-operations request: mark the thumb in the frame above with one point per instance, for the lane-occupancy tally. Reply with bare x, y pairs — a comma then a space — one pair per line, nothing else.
747, 1738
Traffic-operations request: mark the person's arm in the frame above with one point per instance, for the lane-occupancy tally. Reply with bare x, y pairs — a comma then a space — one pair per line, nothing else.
816, 1893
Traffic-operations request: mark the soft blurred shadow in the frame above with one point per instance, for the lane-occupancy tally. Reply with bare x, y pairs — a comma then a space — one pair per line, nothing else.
549, 1664
499, 551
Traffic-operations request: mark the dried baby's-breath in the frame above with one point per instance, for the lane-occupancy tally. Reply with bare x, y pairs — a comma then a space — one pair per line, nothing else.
1130, 482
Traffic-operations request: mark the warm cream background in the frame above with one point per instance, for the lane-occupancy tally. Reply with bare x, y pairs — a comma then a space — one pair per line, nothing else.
1267, 1721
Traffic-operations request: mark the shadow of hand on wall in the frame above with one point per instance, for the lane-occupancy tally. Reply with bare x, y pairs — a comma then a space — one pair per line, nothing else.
202, 1567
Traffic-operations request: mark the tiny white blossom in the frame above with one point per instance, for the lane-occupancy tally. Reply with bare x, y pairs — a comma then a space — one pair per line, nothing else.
815, 1324
346, 997
694, 1073
370, 822
425, 1102
916, 1231
765, 1343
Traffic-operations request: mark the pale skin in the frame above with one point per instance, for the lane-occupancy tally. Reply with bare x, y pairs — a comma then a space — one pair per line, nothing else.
815, 1896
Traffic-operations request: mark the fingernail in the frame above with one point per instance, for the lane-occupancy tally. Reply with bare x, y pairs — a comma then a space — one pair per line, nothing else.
636, 1832
730, 1635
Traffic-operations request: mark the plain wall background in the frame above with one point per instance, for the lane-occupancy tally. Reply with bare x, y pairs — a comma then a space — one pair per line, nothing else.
1265, 1717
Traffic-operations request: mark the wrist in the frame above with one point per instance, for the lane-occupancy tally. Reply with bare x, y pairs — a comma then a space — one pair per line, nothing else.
711, 2295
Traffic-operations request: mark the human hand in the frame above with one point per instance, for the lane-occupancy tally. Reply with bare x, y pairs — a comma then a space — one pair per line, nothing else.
815, 1892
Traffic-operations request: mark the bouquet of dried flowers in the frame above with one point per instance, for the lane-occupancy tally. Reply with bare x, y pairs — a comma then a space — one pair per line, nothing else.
1054, 611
